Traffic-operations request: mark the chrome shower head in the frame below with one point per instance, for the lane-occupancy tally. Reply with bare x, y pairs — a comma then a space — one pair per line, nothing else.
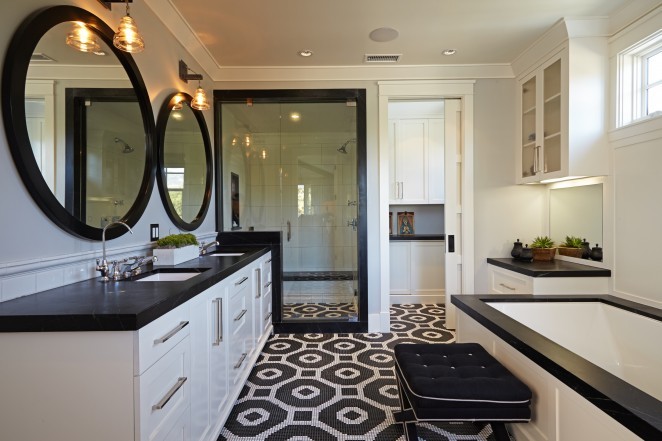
127, 148
343, 148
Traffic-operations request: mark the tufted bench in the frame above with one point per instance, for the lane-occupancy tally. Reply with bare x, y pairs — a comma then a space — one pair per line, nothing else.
457, 382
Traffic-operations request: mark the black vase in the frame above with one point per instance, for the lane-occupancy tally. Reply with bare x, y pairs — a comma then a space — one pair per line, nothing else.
517, 249
526, 254
586, 250
596, 253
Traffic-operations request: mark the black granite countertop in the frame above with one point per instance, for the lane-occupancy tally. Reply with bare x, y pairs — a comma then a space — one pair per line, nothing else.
631, 407
555, 268
418, 237
118, 305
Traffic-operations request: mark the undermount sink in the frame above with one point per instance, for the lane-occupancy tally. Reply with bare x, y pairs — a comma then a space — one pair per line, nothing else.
171, 274
225, 254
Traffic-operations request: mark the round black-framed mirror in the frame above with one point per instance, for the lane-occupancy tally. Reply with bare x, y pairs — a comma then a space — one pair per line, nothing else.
184, 165
22, 56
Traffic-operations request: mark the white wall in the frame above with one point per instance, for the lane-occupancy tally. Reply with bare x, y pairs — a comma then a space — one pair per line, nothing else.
29, 239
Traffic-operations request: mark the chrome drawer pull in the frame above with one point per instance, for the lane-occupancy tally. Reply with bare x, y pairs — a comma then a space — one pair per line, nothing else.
241, 360
170, 334
219, 322
267, 317
259, 283
173, 390
241, 314
267, 285
507, 287
241, 281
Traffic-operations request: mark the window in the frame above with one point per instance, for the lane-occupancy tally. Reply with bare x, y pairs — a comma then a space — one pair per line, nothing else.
175, 181
640, 80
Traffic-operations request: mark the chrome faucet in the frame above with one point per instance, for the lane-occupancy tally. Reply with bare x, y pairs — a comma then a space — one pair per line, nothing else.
135, 268
204, 247
102, 265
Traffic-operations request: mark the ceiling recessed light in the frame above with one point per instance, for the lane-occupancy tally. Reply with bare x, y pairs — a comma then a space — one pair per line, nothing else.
449, 52
306, 53
295, 116
384, 34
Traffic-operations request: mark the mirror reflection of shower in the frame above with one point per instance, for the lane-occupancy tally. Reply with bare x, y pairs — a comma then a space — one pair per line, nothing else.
127, 148
343, 148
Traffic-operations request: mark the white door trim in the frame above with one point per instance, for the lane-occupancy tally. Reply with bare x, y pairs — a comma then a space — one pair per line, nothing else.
463, 90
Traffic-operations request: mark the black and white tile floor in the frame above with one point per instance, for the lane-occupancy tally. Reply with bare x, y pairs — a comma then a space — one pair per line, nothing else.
325, 387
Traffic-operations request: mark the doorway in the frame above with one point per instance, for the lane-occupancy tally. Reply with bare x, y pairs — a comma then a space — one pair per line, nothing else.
293, 161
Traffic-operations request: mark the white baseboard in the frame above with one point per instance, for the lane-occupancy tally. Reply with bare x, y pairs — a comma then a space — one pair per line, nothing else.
426, 299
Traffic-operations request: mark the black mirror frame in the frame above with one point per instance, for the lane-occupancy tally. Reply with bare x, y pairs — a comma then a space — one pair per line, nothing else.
161, 124
14, 74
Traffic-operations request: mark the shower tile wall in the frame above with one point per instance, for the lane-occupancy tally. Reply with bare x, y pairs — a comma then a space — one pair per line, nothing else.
316, 181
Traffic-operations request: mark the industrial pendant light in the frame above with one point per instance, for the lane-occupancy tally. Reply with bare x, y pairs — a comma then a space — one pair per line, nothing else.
127, 38
199, 101
82, 38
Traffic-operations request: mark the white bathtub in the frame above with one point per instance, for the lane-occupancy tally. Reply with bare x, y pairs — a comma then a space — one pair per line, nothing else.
595, 370
623, 343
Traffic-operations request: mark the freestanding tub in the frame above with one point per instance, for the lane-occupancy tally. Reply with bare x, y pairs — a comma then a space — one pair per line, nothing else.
594, 363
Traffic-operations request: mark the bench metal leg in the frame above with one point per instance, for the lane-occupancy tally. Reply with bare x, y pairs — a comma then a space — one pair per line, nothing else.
500, 432
411, 434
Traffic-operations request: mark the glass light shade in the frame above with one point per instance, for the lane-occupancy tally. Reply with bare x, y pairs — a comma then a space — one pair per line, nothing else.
127, 37
83, 39
199, 101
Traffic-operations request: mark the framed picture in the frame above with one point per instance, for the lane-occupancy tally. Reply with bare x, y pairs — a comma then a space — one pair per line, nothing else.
390, 222
234, 200
405, 223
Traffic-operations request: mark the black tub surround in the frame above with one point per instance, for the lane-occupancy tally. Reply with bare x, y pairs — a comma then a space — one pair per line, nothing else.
631, 407
555, 268
395, 237
125, 305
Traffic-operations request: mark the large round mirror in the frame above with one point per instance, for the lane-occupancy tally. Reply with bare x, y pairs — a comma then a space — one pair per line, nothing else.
184, 164
79, 124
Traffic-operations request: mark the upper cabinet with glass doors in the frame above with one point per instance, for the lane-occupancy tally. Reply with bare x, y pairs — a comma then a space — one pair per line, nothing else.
562, 113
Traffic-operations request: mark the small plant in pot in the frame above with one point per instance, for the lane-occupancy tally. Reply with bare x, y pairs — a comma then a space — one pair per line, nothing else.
176, 248
572, 247
543, 248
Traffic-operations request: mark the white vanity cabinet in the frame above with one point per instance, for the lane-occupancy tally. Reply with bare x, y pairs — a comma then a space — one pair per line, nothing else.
561, 108
504, 281
263, 300
417, 271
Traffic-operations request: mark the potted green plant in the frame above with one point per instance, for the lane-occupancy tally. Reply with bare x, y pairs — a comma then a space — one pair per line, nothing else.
176, 248
543, 248
572, 247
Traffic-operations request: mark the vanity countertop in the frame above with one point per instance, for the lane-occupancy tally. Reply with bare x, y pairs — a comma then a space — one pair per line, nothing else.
117, 305
394, 237
555, 268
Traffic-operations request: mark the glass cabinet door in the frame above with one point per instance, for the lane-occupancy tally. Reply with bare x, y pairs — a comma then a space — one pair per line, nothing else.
552, 118
529, 150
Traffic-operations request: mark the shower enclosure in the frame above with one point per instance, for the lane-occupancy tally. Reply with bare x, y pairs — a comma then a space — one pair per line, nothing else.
295, 164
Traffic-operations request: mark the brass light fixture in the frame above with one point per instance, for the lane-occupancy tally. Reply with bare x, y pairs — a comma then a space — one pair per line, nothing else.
127, 38
199, 101
82, 38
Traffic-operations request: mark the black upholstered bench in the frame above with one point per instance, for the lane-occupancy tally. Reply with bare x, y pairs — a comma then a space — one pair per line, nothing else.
457, 382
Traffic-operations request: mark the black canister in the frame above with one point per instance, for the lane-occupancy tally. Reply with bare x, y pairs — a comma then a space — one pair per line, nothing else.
596, 253
526, 254
517, 249
586, 249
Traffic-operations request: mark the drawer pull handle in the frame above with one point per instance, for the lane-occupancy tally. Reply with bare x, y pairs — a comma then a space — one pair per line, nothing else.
241, 281
219, 322
259, 283
267, 317
267, 285
173, 390
241, 360
170, 334
507, 287
241, 314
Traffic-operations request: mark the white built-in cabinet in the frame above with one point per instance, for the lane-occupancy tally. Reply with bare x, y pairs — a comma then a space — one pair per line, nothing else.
417, 271
175, 379
416, 161
561, 107
503, 281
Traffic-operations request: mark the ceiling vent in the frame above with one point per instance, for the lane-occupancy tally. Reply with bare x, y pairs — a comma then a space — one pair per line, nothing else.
37, 56
368, 58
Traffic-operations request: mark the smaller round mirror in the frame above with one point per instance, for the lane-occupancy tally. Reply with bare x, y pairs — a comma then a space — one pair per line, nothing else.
184, 162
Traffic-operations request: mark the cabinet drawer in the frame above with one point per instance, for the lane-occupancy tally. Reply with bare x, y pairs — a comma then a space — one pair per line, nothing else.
508, 282
266, 310
266, 271
163, 394
158, 337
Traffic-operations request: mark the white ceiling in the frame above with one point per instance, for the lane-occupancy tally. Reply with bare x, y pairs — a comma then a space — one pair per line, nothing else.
253, 33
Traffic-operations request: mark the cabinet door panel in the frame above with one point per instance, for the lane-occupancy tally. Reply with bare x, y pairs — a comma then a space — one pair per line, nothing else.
411, 161
436, 161
427, 267
400, 268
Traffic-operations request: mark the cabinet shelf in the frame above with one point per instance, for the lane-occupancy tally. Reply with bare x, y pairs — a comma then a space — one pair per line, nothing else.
553, 98
529, 145
529, 110
553, 135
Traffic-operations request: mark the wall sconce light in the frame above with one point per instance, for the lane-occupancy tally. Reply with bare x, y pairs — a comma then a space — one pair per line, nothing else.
199, 101
82, 38
127, 38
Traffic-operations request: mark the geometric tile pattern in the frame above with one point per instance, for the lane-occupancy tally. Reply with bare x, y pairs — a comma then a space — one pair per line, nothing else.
318, 310
325, 387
